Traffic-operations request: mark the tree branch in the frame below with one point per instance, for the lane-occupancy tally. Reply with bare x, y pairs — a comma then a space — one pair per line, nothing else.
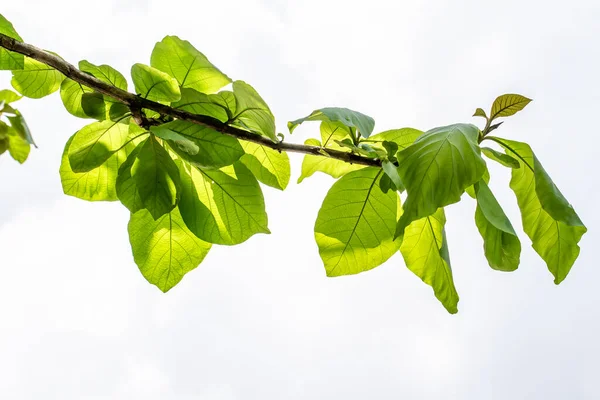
135, 102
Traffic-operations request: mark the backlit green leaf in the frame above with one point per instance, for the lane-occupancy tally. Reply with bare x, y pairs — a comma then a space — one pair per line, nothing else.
269, 166
36, 80
204, 104
252, 113
507, 105
164, 249
154, 84
10, 60
191, 68
20, 126
126, 187
97, 184
18, 147
403, 137
105, 73
437, 169
222, 206
355, 226
425, 252
480, 113
93, 144
548, 219
72, 94
214, 149
504, 159
353, 119
8, 96
500, 242
156, 177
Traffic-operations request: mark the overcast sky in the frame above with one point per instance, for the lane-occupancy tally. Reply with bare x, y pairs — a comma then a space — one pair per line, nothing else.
261, 320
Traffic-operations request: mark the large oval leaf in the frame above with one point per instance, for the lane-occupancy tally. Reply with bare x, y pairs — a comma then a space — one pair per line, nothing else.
185, 63
548, 219
437, 169
500, 242
425, 252
36, 79
164, 249
355, 226
222, 206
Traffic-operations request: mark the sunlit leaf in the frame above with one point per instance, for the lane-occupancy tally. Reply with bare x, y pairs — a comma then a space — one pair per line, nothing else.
154, 84
8, 96
500, 242
93, 144
20, 126
269, 166
222, 206
504, 159
355, 226
156, 177
480, 113
425, 252
353, 119
164, 249
36, 79
507, 105
10, 60
105, 73
191, 68
212, 149
548, 219
437, 168
252, 113
204, 104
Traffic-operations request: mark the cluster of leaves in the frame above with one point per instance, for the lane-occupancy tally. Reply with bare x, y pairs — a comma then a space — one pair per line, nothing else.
188, 186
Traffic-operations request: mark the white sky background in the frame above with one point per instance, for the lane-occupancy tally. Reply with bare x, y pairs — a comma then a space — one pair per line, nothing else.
261, 320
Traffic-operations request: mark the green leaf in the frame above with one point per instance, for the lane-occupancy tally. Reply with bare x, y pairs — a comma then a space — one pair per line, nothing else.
36, 80
269, 166
502, 158
331, 133
391, 148
425, 252
155, 85
471, 189
18, 147
392, 172
18, 123
330, 166
95, 143
403, 137
98, 184
156, 177
215, 150
8, 96
164, 249
212, 105
437, 169
191, 68
176, 139
222, 206
480, 113
252, 113
126, 187
548, 219
355, 226
507, 105
10, 60
500, 242
352, 119
72, 95
105, 73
